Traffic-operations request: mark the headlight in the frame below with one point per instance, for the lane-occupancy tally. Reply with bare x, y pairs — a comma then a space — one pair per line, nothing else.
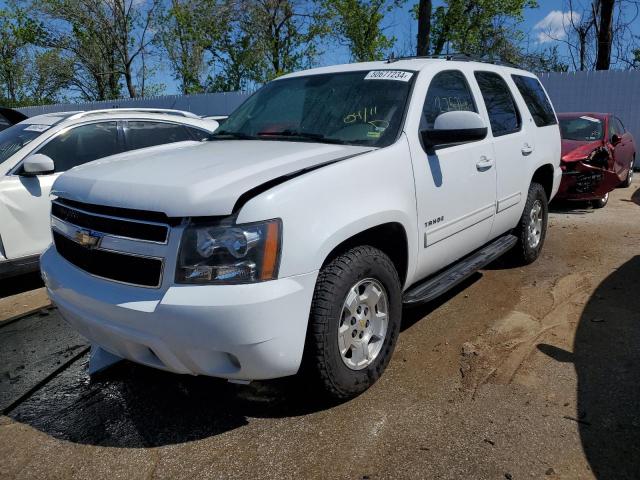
229, 254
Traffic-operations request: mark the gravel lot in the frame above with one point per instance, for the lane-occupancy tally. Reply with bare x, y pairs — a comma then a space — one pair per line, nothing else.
519, 373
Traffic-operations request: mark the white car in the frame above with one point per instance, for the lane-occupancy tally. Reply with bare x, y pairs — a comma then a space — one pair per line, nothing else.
294, 236
36, 151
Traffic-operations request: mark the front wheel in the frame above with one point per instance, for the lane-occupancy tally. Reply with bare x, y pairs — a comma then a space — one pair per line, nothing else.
601, 202
532, 228
354, 321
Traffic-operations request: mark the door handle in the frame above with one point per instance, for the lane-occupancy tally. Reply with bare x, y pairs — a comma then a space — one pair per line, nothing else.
527, 149
485, 163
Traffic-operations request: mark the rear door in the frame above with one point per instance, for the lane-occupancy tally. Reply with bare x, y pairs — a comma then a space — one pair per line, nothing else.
26, 231
511, 143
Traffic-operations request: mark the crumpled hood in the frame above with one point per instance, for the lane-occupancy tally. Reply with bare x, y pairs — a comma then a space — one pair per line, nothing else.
574, 150
192, 178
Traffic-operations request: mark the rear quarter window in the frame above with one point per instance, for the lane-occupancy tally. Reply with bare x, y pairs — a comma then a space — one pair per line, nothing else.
536, 100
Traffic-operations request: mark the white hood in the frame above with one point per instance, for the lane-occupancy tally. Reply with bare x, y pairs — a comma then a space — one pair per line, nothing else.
190, 178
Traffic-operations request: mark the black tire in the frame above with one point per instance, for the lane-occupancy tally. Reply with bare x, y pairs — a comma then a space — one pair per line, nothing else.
523, 253
322, 354
627, 181
601, 202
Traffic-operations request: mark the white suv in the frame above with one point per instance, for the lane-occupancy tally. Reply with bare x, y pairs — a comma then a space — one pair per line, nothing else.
34, 152
327, 200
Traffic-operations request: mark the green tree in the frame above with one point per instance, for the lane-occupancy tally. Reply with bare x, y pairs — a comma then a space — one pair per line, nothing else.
28, 74
189, 29
106, 38
358, 23
480, 27
284, 34
17, 33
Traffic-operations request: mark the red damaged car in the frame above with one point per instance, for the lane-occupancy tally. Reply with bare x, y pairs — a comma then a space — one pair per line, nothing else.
597, 156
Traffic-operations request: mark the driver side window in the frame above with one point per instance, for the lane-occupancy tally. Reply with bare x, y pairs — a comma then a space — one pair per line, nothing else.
613, 127
448, 91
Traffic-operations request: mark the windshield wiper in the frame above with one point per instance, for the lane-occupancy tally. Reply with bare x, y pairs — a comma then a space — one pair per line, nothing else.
318, 137
226, 134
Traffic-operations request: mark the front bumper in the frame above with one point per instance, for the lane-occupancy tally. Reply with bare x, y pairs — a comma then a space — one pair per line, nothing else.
581, 181
244, 332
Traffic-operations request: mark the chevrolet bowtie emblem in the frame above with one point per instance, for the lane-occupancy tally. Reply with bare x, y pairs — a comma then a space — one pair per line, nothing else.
87, 238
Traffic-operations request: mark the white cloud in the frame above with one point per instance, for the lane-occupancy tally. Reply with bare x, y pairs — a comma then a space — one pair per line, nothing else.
554, 26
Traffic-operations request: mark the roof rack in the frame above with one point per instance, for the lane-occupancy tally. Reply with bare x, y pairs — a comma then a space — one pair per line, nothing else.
167, 111
460, 57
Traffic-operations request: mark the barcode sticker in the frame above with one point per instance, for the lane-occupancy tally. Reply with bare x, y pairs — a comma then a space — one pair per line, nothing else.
37, 128
398, 75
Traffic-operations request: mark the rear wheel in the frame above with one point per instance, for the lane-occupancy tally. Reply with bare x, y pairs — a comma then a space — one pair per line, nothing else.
354, 321
601, 202
532, 229
629, 178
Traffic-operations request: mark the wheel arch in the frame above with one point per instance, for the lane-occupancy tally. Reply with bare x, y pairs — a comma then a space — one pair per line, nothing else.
544, 176
390, 238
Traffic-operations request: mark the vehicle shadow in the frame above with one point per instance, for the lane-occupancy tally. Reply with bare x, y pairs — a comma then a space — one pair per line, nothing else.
635, 198
606, 357
132, 406
570, 208
19, 284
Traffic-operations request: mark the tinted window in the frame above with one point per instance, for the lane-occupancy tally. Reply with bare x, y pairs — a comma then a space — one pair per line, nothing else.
503, 114
536, 100
147, 134
447, 92
613, 127
82, 144
198, 134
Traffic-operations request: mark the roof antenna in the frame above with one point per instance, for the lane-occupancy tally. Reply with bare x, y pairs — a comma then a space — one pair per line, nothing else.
392, 58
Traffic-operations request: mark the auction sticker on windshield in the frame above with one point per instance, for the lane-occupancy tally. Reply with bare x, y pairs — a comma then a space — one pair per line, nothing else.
37, 128
398, 75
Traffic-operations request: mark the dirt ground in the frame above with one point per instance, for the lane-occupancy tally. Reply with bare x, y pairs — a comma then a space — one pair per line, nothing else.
519, 373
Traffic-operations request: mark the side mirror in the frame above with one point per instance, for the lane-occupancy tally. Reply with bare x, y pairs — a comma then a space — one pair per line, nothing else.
615, 139
38, 164
455, 127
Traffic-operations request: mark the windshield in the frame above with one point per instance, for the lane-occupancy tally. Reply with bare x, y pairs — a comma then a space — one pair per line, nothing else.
14, 138
354, 108
585, 128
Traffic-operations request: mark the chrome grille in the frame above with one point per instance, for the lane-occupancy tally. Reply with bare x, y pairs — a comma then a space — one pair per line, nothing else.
125, 248
118, 226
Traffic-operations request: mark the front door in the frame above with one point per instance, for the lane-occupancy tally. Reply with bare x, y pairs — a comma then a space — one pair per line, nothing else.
25, 200
455, 185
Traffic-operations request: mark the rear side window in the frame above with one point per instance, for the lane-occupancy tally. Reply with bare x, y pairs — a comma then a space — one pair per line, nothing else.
536, 100
447, 92
503, 113
619, 126
82, 144
141, 134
